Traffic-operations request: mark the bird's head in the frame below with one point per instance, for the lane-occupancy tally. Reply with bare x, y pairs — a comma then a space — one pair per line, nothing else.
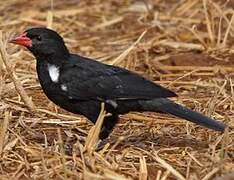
42, 42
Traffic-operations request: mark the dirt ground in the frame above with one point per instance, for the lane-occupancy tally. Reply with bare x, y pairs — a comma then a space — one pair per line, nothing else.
184, 45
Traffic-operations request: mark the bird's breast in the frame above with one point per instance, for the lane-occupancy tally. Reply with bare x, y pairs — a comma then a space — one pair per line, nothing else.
49, 75
54, 72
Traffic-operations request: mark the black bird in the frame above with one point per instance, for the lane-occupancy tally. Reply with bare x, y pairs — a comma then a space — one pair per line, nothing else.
79, 84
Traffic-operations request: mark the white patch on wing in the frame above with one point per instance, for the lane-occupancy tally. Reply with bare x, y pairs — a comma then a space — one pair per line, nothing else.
64, 87
53, 72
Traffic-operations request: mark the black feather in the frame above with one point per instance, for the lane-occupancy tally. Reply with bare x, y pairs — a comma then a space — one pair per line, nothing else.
88, 83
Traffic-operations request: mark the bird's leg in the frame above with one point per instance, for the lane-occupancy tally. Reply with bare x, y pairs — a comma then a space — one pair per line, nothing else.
108, 125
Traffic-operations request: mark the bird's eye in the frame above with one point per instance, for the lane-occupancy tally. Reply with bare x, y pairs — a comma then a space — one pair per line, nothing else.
38, 38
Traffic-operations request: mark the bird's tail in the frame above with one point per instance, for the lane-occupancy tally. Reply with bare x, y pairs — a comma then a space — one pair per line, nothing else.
168, 106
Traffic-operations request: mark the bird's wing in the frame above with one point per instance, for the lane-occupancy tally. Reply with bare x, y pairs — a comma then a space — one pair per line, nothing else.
92, 80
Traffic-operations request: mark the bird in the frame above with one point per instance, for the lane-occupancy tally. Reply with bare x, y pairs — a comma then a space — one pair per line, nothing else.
80, 84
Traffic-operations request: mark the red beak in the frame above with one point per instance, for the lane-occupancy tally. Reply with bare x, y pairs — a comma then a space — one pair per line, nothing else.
22, 40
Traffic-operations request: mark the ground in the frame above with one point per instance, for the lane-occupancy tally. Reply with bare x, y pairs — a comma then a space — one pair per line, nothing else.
186, 46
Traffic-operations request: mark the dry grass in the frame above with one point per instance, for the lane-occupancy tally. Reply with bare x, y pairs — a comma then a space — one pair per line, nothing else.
186, 46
